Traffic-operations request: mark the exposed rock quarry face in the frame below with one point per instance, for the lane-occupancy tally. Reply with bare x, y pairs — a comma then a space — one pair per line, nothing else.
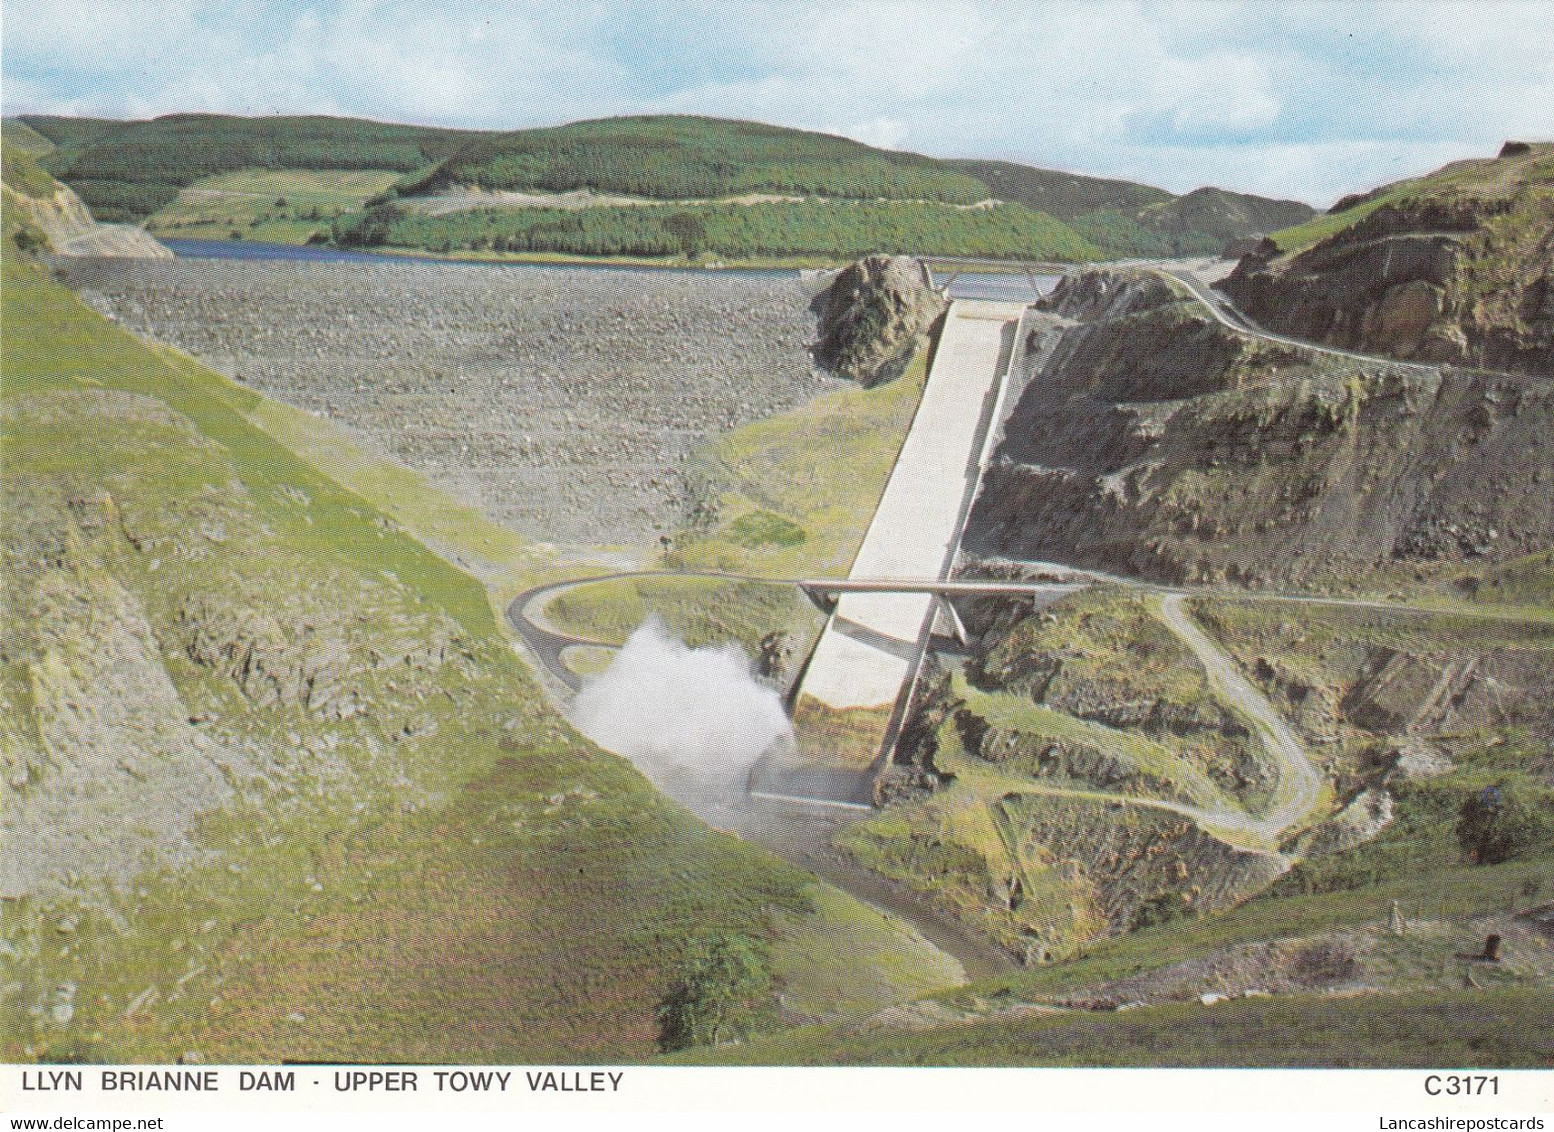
872, 316
62, 217
1162, 445
70, 229
1459, 272
112, 738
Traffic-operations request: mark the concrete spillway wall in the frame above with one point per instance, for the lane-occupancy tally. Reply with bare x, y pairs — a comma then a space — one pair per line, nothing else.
853, 692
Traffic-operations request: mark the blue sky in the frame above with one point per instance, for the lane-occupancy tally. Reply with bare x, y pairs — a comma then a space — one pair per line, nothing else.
1309, 100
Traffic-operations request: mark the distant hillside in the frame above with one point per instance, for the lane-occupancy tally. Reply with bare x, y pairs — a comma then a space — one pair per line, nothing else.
810, 230
1139, 219
128, 170
680, 158
1067, 196
1207, 219
18, 137
1451, 267
132, 170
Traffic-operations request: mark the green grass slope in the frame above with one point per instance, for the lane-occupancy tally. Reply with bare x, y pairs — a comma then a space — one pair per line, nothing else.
278, 206
1205, 220
22, 174
1067, 196
19, 137
410, 857
1133, 219
1460, 1028
1476, 178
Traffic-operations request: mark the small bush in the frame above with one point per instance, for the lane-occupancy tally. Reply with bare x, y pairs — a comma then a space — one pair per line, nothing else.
1501, 822
29, 242
722, 992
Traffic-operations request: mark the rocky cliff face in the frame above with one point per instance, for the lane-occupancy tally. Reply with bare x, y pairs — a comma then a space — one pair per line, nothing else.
167, 652
871, 317
1457, 267
1161, 444
62, 217
67, 224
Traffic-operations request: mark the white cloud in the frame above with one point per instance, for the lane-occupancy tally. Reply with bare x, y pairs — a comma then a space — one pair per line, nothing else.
1307, 102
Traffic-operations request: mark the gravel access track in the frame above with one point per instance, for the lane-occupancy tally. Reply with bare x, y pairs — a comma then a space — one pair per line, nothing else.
564, 402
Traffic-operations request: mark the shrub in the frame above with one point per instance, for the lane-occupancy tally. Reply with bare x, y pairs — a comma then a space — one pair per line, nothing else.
721, 992
29, 242
1503, 821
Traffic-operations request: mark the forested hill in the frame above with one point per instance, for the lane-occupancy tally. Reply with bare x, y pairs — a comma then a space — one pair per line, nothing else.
680, 158
132, 170
1067, 196
1136, 218
128, 170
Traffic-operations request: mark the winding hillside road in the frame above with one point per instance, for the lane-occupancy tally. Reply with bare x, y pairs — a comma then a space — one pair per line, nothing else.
1227, 314
1300, 783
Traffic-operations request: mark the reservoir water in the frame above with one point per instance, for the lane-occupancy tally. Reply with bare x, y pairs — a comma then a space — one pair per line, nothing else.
1002, 286
255, 250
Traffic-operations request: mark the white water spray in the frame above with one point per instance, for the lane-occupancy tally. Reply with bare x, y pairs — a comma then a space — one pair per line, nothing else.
692, 720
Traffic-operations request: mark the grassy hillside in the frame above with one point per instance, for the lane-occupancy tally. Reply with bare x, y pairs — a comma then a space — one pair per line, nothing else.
287, 734
1478, 178
1067, 196
1205, 220
1459, 1027
129, 170
19, 137
281, 206
1138, 219
21, 174
822, 229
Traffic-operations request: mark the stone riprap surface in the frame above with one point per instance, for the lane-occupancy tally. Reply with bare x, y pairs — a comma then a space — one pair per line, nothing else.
564, 402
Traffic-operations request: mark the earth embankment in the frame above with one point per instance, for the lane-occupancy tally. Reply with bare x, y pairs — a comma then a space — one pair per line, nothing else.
563, 402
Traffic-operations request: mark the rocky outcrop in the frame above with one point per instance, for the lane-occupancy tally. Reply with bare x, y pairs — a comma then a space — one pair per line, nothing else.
1400, 694
1134, 865
116, 241
70, 230
1361, 820
105, 769
1040, 757
1453, 268
1097, 293
61, 217
1163, 445
872, 317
